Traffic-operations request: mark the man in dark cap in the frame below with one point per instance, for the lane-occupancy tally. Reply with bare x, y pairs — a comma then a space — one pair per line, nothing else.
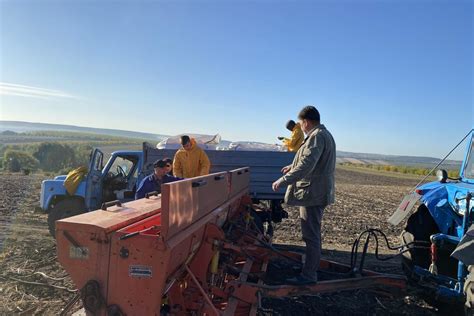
310, 181
154, 181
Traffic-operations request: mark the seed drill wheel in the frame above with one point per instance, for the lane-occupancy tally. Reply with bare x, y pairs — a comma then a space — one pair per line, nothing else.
64, 209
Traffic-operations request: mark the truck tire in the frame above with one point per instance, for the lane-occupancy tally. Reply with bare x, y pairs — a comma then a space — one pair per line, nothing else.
420, 226
63, 209
469, 291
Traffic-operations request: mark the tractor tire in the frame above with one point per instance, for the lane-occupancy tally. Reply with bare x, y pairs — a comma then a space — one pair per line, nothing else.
63, 209
469, 292
420, 226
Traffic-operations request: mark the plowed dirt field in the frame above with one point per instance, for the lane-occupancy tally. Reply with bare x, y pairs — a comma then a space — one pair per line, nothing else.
32, 282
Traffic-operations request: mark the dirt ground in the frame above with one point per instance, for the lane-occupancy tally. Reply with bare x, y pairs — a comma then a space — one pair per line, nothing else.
33, 283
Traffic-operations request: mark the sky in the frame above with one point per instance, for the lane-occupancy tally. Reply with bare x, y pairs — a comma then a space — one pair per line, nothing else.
390, 77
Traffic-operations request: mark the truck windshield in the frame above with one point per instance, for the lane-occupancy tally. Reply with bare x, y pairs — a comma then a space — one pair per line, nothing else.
469, 167
122, 165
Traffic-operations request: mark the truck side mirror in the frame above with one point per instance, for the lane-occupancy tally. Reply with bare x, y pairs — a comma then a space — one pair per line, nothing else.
442, 175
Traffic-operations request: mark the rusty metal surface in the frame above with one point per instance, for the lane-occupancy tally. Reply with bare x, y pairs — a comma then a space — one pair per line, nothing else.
83, 241
114, 217
185, 202
160, 257
239, 180
140, 266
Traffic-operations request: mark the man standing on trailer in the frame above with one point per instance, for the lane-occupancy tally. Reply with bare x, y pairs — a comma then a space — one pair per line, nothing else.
310, 181
296, 139
191, 160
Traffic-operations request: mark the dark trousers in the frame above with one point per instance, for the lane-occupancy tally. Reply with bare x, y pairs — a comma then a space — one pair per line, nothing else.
311, 217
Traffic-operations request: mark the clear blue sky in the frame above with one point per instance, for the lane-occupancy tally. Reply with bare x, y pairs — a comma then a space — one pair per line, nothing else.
393, 77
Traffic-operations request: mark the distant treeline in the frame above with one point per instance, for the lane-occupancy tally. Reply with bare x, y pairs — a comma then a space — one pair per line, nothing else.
47, 156
22, 152
400, 169
10, 137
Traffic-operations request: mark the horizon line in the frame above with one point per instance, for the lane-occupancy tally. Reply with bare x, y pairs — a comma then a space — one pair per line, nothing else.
166, 135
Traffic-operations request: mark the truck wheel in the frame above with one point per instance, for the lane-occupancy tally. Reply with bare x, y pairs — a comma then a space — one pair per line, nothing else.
469, 291
420, 226
63, 209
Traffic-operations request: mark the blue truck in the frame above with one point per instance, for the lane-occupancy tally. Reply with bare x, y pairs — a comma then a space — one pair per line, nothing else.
434, 231
117, 179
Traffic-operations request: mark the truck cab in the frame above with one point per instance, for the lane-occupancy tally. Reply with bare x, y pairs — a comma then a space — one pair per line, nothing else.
116, 180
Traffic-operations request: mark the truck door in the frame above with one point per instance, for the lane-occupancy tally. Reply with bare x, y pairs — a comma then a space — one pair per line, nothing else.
94, 180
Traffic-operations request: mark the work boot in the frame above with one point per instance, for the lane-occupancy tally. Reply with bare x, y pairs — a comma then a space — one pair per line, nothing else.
300, 280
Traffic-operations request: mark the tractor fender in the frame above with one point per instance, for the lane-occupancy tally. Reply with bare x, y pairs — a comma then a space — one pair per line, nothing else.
439, 201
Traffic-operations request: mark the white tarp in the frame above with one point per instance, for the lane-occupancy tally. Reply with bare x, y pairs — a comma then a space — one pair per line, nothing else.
208, 142
254, 146
213, 142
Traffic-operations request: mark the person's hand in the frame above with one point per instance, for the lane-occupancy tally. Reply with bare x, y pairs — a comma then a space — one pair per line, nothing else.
275, 186
285, 170
280, 138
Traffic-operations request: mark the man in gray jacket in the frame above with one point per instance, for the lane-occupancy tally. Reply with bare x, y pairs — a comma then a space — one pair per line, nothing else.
310, 181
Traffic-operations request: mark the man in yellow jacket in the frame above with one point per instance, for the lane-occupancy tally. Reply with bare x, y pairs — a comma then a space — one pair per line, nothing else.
190, 161
297, 137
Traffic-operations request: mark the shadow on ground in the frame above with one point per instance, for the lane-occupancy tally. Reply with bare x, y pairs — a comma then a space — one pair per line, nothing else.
374, 301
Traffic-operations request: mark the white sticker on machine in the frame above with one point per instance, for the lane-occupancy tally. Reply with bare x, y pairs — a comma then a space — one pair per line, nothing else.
138, 271
78, 252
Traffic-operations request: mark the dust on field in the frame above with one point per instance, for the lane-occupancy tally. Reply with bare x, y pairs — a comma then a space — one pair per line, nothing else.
33, 283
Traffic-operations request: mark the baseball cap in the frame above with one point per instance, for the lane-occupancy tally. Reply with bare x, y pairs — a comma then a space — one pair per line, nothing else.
160, 163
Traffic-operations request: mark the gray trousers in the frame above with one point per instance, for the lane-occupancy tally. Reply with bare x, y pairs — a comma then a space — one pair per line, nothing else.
311, 217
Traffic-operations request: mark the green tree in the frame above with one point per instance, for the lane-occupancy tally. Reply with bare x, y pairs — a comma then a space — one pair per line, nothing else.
15, 161
83, 153
55, 156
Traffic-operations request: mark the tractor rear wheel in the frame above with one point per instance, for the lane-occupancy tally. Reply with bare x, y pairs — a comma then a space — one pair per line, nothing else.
469, 291
63, 209
420, 226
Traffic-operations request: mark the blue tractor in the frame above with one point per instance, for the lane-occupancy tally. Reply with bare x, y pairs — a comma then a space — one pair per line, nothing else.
434, 232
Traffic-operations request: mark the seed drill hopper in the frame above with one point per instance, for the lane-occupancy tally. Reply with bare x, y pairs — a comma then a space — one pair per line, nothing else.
198, 248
